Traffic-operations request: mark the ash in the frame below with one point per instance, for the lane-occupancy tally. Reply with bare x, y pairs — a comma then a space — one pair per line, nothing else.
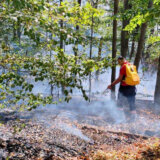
72, 131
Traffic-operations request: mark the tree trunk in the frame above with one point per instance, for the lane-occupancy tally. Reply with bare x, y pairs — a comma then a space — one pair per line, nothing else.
91, 42
134, 35
132, 49
157, 89
141, 40
75, 48
79, 2
61, 26
14, 32
114, 48
140, 45
19, 29
100, 48
94, 5
61, 43
124, 34
147, 54
90, 56
99, 54
61, 36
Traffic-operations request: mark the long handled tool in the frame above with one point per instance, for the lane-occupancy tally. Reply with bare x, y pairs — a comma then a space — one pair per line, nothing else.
106, 91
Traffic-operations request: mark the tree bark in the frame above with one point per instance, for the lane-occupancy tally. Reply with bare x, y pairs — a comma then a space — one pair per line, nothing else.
94, 5
61, 44
147, 54
141, 40
124, 34
79, 2
114, 47
140, 45
99, 54
100, 48
91, 42
132, 49
75, 48
61, 36
157, 89
134, 35
19, 29
90, 56
14, 32
61, 26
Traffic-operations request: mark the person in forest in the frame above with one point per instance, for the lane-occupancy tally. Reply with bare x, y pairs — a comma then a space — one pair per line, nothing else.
126, 92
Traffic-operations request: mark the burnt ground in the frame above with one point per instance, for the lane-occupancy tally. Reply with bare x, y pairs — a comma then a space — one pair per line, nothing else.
66, 137
37, 142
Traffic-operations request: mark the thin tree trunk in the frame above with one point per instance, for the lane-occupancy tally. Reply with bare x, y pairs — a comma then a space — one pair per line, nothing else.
147, 54
90, 85
124, 34
132, 49
157, 89
90, 56
79, 2
99, 54
14, 32
100, 48
143, 52
52, 90
61, 42
114, 47
75, 48
91, 42
140, 45
61, 26
95, 5
141, 40
61, 36
19, 30
135, 33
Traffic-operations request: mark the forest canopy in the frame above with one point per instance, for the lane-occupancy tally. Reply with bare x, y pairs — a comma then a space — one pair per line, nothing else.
35, 34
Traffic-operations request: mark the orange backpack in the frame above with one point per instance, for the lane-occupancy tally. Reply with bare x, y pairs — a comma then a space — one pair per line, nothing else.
132, 77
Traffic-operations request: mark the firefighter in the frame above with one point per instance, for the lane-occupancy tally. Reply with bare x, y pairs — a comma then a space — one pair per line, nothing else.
128, 79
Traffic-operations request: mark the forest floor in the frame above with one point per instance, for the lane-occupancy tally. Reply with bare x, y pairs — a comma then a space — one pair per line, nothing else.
68, 139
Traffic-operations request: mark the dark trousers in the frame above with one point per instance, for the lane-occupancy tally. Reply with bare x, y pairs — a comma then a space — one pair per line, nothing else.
126, 95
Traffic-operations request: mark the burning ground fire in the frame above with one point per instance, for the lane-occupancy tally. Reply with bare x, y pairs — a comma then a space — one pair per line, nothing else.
80, 130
